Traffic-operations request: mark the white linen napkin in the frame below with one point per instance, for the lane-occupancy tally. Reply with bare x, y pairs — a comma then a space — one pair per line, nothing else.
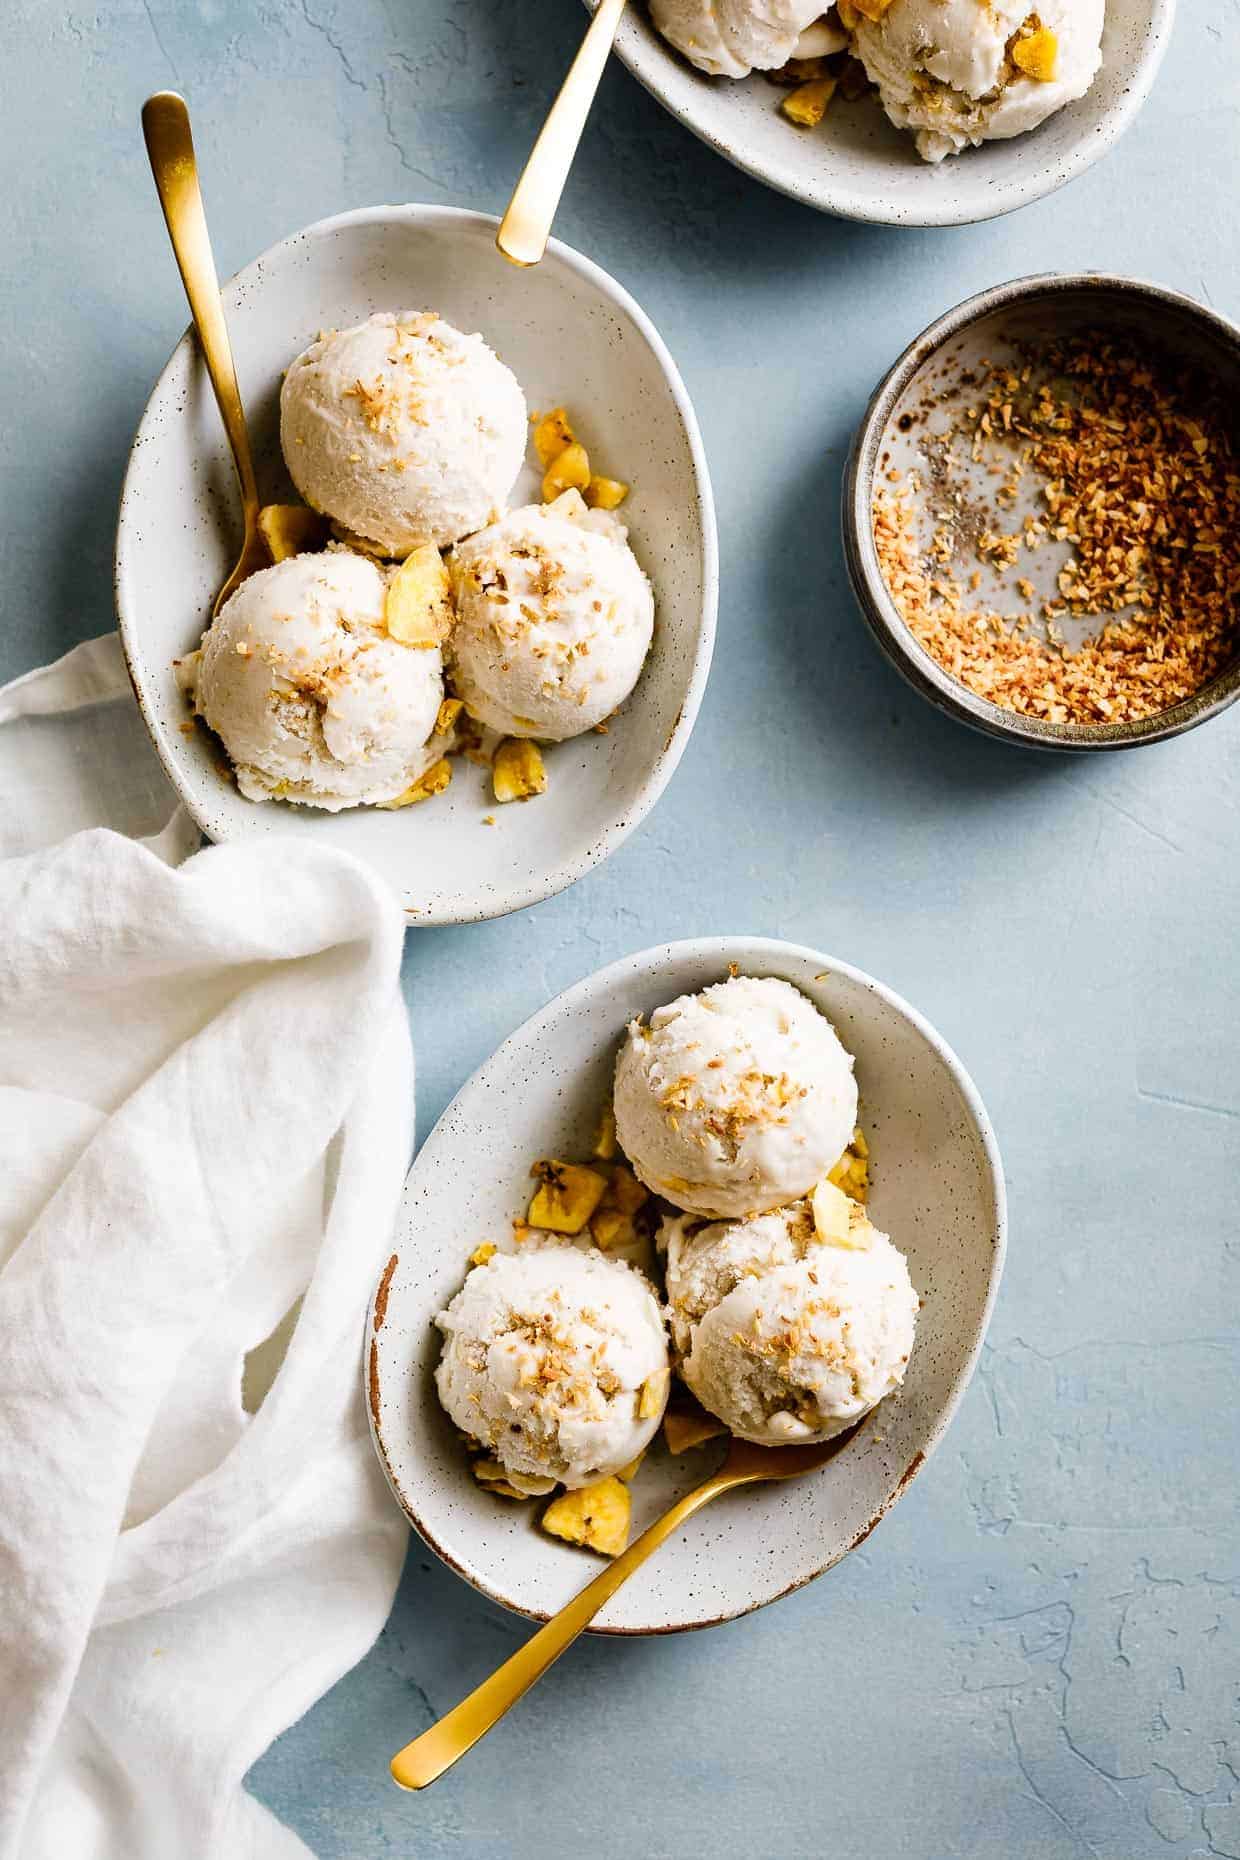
205, 1114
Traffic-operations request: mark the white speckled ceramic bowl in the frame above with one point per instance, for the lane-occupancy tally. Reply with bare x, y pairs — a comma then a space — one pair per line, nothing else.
572, 335
938, 1190
857, 166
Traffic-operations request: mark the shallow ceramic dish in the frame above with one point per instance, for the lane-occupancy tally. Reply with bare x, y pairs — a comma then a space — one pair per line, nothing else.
889, 437
857, 166
571, 334
938, 1189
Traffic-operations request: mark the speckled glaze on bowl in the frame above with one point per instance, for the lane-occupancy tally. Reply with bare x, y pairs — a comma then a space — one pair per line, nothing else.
938, 1189
1043, 306
858, 167
571, 334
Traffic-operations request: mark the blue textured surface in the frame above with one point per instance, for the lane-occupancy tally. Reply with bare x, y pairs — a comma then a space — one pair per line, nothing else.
1038, 1653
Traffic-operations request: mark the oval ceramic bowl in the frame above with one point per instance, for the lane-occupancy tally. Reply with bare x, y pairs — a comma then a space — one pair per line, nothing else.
857, 166
938, 1189
572, 336
890, 437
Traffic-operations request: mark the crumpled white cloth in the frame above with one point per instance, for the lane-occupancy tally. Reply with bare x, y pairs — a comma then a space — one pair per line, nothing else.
206, 1097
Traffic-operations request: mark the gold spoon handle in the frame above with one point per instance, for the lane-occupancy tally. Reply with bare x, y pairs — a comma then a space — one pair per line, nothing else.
428, 1756
526, 226
170, 146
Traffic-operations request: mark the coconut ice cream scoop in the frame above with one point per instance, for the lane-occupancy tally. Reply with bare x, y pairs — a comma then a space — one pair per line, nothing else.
554, 620
735, 1100
957, 73
312, 699
731, 38
799, 1352
705, 1262
404, 430
555, 1359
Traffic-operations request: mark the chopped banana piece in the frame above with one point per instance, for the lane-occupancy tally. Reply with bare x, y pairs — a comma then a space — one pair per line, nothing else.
629, 1473
418, 604
800, 71
838, 1219
570, 504
852, 1178
291, 529
569, 471
625, 1195
553, 435
830, 1208
624, 1191
567, 1196
496, 1478
434, 781
1038, 55
605, 493
608, 1226
652, 1395
597, 1516
807, 104
605, 1138
530, 1486
852, 1171
517, 772
481, 1254
626, 1237
446, 717
361, 545
689, 1427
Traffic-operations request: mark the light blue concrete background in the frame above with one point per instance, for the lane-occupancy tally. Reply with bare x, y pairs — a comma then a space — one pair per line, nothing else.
1039, 1652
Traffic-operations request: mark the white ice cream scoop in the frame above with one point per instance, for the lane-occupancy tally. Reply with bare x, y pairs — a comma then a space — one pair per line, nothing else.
735, 1100
947, 69
308, 694
799, 1352
555, 1359
731, 38
404, 430
704, 1262
554, 620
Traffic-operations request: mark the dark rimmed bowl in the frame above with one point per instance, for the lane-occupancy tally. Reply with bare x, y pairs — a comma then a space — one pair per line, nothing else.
1053, 304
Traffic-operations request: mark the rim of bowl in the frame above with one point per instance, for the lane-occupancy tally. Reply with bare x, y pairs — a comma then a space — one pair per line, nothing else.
756, 950
889, 629
850, 203
523, 893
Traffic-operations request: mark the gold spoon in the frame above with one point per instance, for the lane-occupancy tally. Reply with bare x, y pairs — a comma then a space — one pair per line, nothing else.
170, 146
526, 227
428, 1756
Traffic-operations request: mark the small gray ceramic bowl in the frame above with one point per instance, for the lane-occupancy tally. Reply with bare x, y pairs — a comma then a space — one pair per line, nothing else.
888, 438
